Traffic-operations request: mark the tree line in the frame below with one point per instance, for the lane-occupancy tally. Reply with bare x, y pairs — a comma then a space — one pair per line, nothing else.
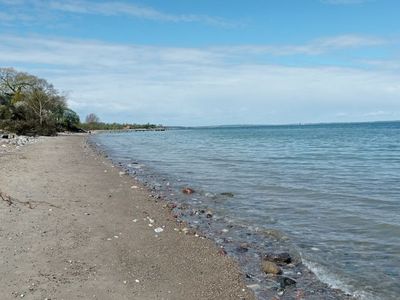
30, 105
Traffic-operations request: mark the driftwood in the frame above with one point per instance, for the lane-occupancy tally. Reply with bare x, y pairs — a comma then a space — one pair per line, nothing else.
31, 204
6, 198
10, 201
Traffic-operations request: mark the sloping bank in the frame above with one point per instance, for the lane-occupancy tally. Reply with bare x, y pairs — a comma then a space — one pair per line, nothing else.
73, 227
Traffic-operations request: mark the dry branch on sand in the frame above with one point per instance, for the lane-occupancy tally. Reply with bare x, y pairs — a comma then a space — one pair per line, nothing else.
10, 201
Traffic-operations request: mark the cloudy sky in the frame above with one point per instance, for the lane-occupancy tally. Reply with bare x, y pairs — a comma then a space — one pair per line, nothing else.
207, 62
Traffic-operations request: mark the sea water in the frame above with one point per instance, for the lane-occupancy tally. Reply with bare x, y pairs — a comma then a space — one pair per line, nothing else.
332, 189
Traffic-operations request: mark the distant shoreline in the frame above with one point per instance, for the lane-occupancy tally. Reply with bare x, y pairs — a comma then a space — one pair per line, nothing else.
280, 125
127, 130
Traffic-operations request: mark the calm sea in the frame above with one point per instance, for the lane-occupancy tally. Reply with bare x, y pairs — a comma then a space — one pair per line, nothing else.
332, 191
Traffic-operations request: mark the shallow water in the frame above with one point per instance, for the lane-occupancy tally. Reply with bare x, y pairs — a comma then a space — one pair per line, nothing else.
333, 190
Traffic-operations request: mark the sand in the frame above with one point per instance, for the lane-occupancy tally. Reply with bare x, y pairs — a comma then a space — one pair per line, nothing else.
76, 229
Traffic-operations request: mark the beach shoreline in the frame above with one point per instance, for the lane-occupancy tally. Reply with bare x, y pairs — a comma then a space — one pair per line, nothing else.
248, 247
75, 226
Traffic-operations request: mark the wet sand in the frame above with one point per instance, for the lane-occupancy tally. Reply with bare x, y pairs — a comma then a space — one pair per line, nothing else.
72, 227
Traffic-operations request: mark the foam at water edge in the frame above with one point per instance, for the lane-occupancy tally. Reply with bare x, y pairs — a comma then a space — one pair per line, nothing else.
325, 276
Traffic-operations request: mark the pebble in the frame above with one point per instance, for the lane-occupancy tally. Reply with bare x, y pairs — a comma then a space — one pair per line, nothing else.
269, 267
227, 194
286, 281
243, 247
279, 258
188, 191
254, 286
158, 230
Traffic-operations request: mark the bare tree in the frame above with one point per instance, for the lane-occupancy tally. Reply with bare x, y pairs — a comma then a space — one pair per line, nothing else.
14, 83
92, 118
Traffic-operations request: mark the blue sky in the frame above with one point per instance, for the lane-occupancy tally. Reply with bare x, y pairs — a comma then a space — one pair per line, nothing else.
207, 62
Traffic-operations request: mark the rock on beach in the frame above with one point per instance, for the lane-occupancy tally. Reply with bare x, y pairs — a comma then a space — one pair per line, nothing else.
269, 267
9, 142
188, 191
278, 258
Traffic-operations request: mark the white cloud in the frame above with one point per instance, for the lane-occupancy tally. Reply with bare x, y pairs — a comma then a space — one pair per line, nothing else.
9, 19
315, 47
192, 86
388, 64
112, 8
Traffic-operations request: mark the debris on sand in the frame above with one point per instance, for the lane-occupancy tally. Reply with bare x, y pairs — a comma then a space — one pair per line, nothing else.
158, 230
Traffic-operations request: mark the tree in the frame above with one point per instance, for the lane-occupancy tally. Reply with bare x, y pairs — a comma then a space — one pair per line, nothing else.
29, 104
92, 118
14, 84
70, 119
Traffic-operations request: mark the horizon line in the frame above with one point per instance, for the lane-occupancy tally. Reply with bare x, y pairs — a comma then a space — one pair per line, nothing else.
283, 124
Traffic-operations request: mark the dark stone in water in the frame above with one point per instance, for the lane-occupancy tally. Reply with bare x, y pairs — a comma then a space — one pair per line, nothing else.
286, 281
227, 194
243, 247
279, 258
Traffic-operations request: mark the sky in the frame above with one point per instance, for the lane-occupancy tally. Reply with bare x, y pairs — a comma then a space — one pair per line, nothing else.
208, 62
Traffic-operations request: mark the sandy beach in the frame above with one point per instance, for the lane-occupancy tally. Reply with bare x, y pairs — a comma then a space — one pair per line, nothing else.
73, 227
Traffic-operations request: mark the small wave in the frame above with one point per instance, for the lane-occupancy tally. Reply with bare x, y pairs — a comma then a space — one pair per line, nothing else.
334, 282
